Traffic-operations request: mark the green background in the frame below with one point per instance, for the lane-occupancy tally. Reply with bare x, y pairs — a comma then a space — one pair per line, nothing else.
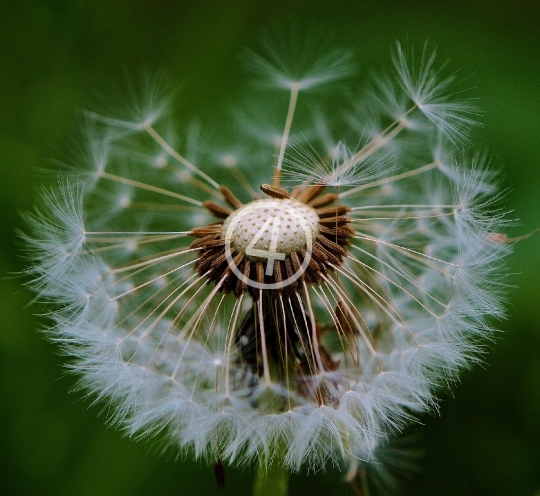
56, 55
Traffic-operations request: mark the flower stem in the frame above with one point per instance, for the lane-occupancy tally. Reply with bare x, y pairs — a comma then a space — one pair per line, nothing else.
271, 481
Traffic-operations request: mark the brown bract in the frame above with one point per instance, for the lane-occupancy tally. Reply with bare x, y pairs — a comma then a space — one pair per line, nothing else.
217, 256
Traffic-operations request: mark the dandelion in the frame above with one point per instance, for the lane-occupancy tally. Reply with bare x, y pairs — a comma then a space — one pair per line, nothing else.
294, 305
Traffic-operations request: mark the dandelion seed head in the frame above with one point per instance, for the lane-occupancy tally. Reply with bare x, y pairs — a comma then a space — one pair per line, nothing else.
299, 301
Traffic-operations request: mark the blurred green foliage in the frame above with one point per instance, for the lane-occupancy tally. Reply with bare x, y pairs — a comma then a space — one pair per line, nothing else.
57, 55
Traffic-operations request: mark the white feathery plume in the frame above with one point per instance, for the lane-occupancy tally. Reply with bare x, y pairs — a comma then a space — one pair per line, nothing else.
422, 81
341, 168
305, 63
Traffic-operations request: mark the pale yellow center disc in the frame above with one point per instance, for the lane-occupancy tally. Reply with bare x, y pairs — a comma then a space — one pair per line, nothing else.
270, 227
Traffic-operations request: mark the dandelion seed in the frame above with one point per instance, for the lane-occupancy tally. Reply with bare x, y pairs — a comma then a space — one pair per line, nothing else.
342, 167
256, 322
